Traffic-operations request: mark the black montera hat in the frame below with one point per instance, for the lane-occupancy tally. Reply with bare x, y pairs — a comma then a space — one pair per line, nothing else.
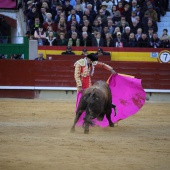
92, 57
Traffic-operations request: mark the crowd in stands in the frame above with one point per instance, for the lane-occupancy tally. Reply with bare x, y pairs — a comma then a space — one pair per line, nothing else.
100, 23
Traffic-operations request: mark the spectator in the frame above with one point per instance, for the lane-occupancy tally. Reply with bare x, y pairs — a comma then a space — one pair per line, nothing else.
152, 13
94, 34
113, 11
74, 40
133, 18
35, 25
85, 29
150, 33
3, 56
40, 57
126, 34
42, 15
88, 25
133, 5
68, 51
139, 12
17, 57
85, 40
96, 4
40, 35
110, 26
102, 16
90, 17
73, 29
57, 16
120, 7
62, 30
98, 41
116, 18
165, 42
122, 27
62, 24
134, 27
46, 6
104, 7
104, 31
49, 22
145, 18
127, 13
132, 41
51, 40
92, 12
151, 5
96, 26
138, 34
72, 22
49, 29
139, 22
150, 25
84, 52
28, 7
79, 11
31, 15
108, 4
81, 3
122, 20
73, 12
108, 42
100, 52
99, 19
118, 41
143, 41
117, 29
164, 34
155, 41
62, 41
67, 8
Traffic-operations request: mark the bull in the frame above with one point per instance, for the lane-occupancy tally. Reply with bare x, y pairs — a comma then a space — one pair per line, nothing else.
97, 102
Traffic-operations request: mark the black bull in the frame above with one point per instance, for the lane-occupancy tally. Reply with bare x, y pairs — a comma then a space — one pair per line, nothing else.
97, 102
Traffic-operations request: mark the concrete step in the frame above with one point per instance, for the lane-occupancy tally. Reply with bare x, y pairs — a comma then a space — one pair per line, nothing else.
165, 23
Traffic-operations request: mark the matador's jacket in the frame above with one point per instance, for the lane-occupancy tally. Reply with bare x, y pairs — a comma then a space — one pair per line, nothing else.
84, 71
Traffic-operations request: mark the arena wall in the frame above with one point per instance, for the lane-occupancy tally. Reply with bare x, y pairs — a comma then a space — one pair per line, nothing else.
40, 79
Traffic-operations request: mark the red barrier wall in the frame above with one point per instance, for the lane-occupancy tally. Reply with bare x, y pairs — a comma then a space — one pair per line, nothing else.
55, 73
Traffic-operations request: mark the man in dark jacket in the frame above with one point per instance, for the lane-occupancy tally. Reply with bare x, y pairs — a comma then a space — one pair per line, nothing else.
143, 41
68, 51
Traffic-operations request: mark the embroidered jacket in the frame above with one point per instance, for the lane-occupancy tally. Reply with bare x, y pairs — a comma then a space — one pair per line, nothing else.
83, 71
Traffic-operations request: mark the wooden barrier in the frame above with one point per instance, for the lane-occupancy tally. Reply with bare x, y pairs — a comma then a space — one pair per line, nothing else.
60, 73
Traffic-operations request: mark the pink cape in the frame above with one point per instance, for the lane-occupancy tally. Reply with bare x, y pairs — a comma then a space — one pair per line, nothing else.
128, 96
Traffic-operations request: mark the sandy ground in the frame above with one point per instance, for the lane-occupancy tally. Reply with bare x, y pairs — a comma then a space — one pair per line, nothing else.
35, 134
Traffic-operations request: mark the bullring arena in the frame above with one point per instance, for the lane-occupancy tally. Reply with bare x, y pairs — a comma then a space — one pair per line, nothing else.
38, 98
35, 121
35, 134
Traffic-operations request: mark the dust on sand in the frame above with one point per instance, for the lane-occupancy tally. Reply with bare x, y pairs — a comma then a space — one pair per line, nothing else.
35, 134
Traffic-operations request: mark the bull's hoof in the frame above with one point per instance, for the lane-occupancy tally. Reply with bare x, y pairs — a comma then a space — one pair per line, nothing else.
86, 131
111, 125
72, 130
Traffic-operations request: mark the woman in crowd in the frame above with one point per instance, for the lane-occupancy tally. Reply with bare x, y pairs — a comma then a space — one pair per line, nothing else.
51, 40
